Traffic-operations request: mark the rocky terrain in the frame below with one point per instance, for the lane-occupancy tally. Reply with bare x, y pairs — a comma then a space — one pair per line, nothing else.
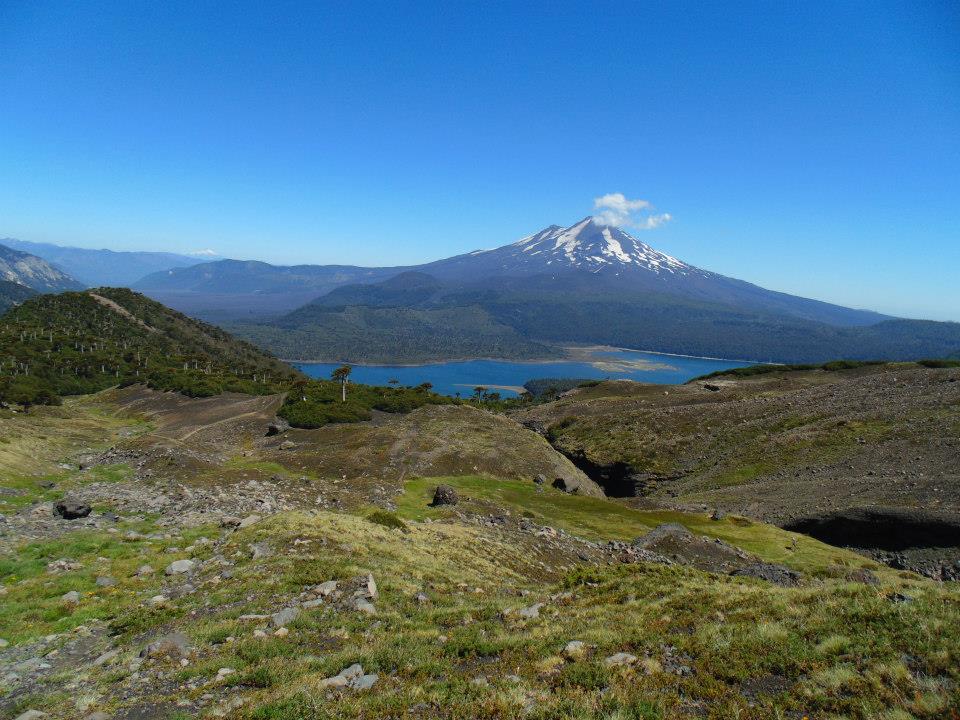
167, 557
865, 458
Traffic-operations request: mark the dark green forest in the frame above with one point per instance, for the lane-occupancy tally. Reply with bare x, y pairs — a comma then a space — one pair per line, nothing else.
82, 342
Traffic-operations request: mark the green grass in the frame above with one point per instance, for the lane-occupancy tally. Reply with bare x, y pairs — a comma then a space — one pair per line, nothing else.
603, 519
836, 647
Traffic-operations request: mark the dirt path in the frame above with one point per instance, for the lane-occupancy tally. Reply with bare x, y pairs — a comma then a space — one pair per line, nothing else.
120, 310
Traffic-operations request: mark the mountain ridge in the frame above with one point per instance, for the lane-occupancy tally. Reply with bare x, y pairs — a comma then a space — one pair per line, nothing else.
102, 267
33, 272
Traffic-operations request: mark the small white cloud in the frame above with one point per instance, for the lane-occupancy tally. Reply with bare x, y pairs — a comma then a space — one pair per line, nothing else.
203, 253
617, 210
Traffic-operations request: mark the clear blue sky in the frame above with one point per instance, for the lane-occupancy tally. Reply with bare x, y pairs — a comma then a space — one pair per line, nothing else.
809, 147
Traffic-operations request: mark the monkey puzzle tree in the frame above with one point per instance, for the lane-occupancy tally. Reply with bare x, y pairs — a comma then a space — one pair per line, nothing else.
341, 374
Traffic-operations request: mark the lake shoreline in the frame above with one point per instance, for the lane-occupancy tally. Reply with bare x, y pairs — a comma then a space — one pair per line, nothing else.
569, 357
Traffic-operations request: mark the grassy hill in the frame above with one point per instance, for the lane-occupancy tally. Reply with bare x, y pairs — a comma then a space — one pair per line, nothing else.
81, 342
520, 601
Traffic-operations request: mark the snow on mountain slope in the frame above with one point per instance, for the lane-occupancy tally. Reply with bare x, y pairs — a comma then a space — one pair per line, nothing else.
588, 245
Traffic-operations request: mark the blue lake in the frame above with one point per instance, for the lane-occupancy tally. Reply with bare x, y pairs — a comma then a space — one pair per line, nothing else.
505, 376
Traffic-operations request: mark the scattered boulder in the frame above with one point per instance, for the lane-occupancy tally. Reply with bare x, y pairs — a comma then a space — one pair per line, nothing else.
364, 606
104, 581
352, 677
445, 495
32, 715
174, 645
260, 550
144, 570
71, 598
370, 588
540, 479
531, 612
324, 589
178, 567
620, 659
285, 616
771, 572
248, 521
71, 509
711, 387
277, 427
287, 445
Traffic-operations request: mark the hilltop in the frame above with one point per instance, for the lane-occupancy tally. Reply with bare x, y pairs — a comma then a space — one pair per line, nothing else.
81, 342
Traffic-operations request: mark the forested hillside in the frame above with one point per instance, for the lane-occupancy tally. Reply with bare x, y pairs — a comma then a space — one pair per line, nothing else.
12, 293
81, 342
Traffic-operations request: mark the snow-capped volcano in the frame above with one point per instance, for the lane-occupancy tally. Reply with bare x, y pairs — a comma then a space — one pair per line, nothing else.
589, 245
585, 246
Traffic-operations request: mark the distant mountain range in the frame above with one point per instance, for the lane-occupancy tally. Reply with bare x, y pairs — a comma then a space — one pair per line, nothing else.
589, 283
33, 272
97, 268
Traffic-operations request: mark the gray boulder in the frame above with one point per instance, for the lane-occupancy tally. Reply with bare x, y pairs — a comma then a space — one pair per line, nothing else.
445, 495
71, 509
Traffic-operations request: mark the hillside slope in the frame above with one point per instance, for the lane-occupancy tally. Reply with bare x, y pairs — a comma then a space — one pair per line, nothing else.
415, 317
13, 293
33, 272
80, 342
786, 447
308, 576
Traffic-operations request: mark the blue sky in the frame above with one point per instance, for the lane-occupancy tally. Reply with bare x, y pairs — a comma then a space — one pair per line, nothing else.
809, 147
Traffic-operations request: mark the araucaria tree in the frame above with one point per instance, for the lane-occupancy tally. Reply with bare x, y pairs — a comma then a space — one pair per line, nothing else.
341, 374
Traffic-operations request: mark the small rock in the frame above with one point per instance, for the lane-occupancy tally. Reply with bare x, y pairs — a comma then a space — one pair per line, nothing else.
260, 550
224, 672
178, 567
229, 521
421, 598
99, 715
277, 427
351, 677
361, 605
285, 616
32, 715
71, 509
281, 632
370, 589
287, 445
445, 495
104, 581
574, 650
3, 643
248, 521
533, 611
173, 645
324, 589
540, 479
144, 570
620, 659
72, 597
480, 681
